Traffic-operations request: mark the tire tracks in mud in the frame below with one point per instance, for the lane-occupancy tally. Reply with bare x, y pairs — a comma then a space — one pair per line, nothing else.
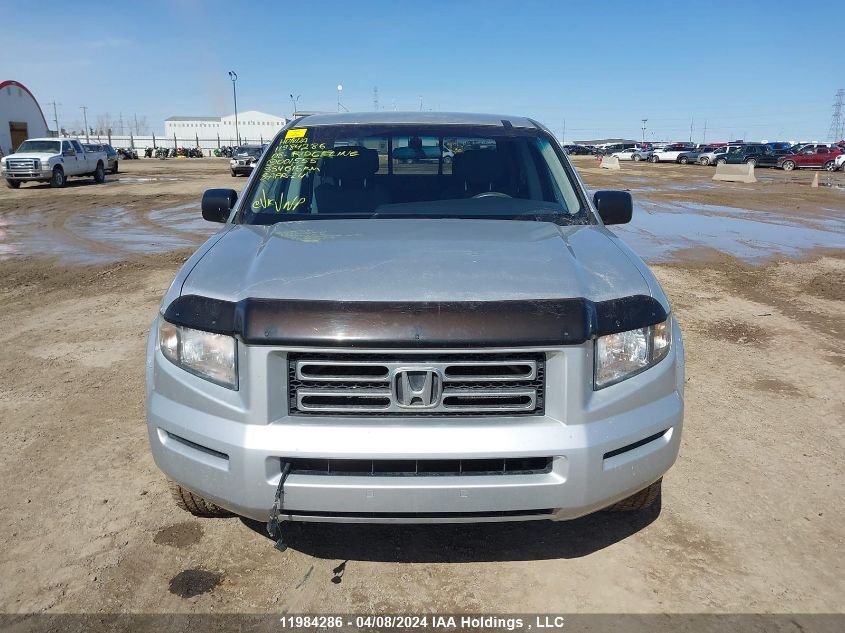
62, 226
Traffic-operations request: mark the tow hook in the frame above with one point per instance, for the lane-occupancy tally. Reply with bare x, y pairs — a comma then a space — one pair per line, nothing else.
274, 527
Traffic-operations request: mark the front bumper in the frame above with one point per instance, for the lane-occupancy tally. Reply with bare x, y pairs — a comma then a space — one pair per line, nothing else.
26, 175
228, 446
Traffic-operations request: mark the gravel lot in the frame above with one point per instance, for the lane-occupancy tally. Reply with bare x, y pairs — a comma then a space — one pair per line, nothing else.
752, 520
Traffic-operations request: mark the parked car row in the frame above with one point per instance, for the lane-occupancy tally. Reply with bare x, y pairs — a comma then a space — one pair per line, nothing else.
780, 155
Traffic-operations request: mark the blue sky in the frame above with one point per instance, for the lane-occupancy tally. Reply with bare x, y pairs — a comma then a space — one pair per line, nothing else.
758, 70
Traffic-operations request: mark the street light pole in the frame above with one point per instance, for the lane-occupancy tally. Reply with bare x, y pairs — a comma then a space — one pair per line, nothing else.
294, 101
339, 90
643, 143
234, 77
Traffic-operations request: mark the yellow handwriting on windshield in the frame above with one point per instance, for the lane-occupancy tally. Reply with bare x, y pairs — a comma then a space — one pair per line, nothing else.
263, 202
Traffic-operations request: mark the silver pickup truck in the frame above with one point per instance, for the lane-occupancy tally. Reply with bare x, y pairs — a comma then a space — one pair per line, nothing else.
367, 340
52, 160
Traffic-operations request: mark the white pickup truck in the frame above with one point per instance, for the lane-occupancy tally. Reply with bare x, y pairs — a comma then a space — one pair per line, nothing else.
52, 160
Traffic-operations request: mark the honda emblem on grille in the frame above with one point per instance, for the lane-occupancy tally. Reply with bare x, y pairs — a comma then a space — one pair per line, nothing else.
417, 388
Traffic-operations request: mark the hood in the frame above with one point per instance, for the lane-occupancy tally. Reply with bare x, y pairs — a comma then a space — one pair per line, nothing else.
38, 155
415, 260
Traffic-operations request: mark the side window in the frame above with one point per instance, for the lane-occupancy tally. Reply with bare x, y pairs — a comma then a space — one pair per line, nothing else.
77, 146
823, 150
66, 147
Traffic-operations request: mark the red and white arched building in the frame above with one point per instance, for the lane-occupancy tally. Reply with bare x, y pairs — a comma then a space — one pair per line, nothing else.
20, 116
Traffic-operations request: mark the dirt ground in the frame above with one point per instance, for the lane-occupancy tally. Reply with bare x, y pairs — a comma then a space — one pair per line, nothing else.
752, 518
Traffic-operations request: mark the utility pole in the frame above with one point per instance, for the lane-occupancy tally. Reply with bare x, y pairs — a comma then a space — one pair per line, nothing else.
339, 90
375, 98
55, 116
692, 120
120, 122
704, 138
563, 139
85, 118
644, 122
420, 103
837, 127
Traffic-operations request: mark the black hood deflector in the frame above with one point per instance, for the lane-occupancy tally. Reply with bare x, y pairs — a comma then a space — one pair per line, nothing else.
383, 324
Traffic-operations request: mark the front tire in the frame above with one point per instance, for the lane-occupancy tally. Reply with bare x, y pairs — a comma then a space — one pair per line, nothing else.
683, 160
654, 159
636, 158
789, 165
704, 161
13, 184
196, 505
58, 179
721, 161
752, 162
99, 174
830, 166
641, 500
114, 169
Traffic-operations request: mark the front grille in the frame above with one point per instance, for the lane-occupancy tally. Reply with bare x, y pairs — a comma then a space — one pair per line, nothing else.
20, 164
420, 467
416, 385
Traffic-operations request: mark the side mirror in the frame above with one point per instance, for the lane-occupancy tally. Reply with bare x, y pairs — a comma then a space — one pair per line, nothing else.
217, 204
615, 207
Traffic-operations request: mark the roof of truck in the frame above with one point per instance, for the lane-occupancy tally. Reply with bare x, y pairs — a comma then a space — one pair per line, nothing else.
414, 118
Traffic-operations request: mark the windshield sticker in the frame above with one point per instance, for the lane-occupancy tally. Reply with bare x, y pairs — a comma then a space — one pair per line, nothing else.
298, 133
296, 157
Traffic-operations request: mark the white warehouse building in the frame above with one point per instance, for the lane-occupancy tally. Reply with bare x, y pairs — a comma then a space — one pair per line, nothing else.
253, 127
20, 116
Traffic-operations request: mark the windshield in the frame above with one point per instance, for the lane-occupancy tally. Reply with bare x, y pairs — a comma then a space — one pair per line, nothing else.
39, 146
328, 172
255, 152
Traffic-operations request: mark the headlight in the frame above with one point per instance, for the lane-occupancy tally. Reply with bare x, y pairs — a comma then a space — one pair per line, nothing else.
207, 355
620, 356
233, 162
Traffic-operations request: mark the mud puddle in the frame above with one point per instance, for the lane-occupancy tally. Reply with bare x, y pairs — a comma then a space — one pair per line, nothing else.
134, 180
659, 232
101, 235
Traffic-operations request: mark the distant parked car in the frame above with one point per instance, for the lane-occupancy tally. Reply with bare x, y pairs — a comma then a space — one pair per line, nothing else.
633, 153
779, 146
577, 150
810, 156
669, 153
716, 157
755, 154
244, 159
611, 148
839, 163
424, 154
111, 154
694, 156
